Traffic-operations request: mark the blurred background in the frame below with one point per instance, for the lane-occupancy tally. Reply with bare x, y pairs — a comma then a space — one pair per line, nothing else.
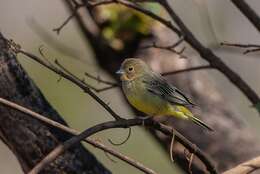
212, 21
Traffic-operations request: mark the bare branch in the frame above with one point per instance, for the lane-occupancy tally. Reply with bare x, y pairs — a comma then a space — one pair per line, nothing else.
170, 48
251, 15
76, 7
213, 60
58, 29
99, 80
85, 87
250, 47
188, 70
71, 131
123, 124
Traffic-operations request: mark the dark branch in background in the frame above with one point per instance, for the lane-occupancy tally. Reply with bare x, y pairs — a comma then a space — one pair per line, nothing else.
99, 80
119, 121
170, 48
71, 131
249, 47
113, 85
76, 7
124, 124
202, 67
251, 15
213, 60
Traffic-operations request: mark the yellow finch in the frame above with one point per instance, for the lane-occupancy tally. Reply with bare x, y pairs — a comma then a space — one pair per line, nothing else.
150, 93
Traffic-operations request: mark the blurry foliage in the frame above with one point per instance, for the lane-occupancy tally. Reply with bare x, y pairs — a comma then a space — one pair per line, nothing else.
121, 25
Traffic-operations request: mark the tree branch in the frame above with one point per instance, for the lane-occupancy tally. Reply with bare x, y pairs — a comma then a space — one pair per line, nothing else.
249, 47
71, 131
124, 124
249, 13
202, 67
246, 167
81, 84
213, 60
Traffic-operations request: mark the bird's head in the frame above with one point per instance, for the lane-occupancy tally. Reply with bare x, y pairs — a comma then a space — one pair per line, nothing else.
132, 68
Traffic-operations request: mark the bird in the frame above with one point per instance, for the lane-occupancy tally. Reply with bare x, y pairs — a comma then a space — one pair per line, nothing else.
151, 94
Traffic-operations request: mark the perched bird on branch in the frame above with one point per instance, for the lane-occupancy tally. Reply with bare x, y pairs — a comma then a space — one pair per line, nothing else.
150, 93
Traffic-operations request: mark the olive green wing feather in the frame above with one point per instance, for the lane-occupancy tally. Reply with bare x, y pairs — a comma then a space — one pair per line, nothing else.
157, 85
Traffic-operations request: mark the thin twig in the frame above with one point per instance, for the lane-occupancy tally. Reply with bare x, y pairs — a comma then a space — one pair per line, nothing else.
187, 70
81, 80
85, 87
99, 80
252, 50
250, 47
58, 29
171, 148
170, 48
76, 7
123, 142
71, 131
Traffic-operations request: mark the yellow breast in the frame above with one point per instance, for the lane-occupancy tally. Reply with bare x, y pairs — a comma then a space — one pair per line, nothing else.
143, 100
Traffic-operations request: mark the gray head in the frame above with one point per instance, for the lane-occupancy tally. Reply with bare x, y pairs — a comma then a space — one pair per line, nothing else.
132, 68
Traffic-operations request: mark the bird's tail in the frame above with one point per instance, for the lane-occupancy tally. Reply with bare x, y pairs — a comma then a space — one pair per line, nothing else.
200, 123
185, 113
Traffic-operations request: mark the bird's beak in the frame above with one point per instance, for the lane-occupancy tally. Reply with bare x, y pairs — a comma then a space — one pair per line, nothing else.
120, 71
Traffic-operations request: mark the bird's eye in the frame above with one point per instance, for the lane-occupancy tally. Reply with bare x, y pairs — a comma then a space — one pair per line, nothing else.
130, 69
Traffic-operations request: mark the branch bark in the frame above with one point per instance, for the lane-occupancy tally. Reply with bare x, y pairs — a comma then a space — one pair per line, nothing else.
249, 13
246, 167
125, 123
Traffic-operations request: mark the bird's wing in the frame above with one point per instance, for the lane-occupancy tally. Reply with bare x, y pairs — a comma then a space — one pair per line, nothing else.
160, 87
